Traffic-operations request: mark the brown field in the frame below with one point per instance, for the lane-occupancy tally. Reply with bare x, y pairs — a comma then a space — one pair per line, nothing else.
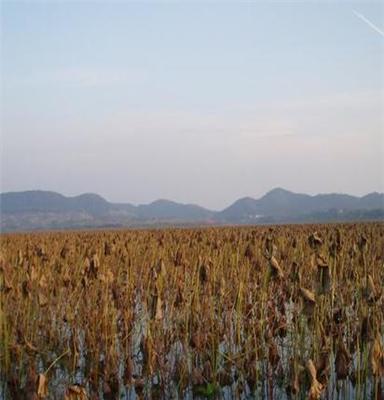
266, 312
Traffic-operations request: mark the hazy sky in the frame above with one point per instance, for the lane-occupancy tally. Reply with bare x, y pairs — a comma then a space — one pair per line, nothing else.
199, 102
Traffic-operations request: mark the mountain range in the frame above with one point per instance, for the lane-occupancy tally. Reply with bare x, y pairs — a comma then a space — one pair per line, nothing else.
33, 210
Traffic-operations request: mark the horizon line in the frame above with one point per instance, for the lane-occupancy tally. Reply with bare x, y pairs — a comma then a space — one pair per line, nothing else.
188, 203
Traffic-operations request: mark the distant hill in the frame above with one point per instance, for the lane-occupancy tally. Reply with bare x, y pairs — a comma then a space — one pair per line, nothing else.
44, 201
49, 210
165, 209
38, 209
282, 204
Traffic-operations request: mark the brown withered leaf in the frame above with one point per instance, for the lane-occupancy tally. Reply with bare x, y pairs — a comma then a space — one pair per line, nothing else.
179, 258
311, 369
107, 277
139, 385
108, 249
147, 350
315, 241
307, 295
128, 371
66, 278
293, 387
342, 361
371, 292
322, 367
309, 302
30, 391
33, 275
197, 376
43, 281
159, 309
362, 243
94, 265
5, 281
26, 289
30, 347
196, 340
276, 270
324, 279
203, 273
160, 268
377, 357
75, 392
273, 354
249, 253
42, 386
321, 261
64, 251
43, 301
316, 387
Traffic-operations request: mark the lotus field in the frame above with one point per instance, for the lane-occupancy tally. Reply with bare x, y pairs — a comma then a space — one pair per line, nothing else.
283, 312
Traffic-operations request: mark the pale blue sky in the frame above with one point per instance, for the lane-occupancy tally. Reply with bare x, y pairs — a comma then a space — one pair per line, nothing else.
198, 102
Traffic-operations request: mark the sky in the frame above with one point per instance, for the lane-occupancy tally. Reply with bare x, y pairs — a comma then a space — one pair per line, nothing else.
199, 102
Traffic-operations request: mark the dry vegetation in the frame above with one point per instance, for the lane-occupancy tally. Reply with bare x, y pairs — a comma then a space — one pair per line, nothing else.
282, 312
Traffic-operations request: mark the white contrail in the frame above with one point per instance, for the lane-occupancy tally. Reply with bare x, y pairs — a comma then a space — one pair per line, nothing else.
367, 21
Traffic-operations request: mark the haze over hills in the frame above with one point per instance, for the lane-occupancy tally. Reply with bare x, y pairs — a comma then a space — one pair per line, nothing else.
38, 209
281, 204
